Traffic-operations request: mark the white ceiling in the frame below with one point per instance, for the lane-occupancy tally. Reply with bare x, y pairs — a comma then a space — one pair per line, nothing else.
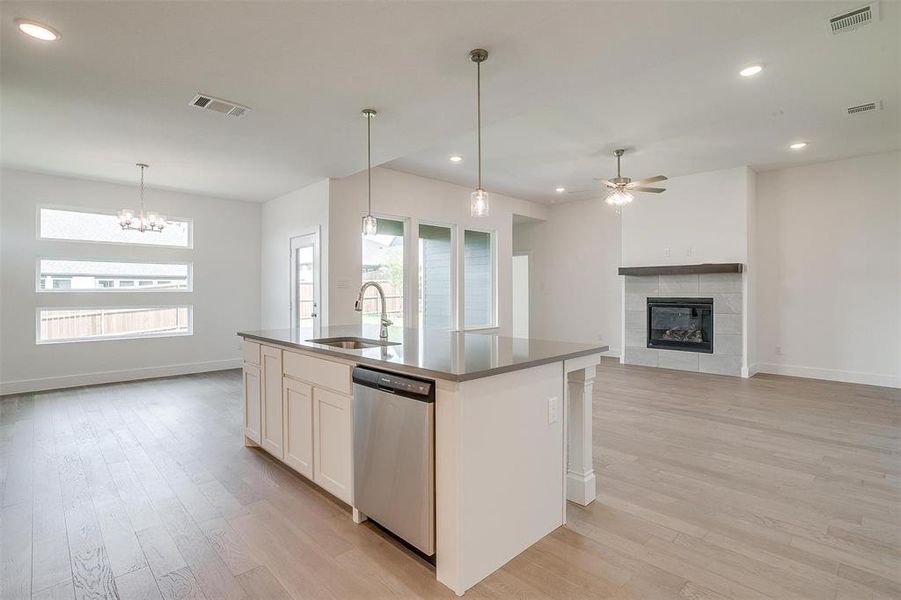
565, 84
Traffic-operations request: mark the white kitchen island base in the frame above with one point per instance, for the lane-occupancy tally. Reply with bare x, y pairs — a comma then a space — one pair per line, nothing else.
501, 465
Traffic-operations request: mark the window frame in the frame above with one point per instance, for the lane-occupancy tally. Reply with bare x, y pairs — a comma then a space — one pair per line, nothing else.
456, 264
410, 313
461, 281
103, 211
116, 290
108, 338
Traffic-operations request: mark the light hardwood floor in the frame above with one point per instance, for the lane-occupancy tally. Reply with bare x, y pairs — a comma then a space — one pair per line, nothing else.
709, 487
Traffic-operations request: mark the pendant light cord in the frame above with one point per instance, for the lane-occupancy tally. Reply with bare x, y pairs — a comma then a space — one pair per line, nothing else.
369, 161
479, 115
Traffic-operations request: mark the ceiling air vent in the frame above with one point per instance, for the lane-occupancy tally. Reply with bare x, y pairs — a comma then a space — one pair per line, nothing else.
219, 105
865, 107
851, 20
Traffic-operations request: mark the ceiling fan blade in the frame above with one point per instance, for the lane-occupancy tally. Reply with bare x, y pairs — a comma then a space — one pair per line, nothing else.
609, 184
635, 184
647, 189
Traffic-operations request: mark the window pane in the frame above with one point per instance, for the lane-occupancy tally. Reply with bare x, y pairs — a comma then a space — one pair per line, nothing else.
102, 227
435, 277
107, 323
478, 279
383, 262
109, 275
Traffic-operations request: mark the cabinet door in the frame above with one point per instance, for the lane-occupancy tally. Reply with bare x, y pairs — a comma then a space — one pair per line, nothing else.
298, 400
272, 433
332, 450
252, 398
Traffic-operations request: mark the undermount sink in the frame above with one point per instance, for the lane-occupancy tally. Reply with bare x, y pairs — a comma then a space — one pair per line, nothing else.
352, 343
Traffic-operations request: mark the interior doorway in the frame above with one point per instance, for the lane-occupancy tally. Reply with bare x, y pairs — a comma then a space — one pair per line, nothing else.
521, 295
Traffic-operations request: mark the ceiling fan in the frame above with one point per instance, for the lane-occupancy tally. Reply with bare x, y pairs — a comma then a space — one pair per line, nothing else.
621, 188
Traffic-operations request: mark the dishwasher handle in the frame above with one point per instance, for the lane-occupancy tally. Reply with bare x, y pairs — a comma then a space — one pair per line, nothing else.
409, 387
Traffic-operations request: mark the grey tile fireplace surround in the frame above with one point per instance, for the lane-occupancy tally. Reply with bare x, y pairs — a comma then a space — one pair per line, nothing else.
726, 291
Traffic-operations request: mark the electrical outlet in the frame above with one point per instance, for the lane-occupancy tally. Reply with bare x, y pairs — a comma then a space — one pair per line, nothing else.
552, 410
688, 251
778, 350
667, 252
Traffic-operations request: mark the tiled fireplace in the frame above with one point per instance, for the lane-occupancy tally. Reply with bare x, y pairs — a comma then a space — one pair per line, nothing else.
691, 321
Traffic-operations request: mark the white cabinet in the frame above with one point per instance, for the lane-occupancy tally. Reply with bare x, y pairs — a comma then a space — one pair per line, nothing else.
252, 398
298, 407
298, 402
272, 419
332, 443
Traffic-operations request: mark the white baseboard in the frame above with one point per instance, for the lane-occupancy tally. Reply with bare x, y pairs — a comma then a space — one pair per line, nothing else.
831, 374
750, 371
66, 381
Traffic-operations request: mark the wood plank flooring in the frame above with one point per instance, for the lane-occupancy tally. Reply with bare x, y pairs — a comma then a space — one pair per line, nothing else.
709, 487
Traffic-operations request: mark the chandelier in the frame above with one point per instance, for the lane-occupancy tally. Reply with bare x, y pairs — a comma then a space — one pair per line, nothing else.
145, 221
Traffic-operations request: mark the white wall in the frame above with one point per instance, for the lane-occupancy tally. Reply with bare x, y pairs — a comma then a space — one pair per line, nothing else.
417, 198
700, 218
302, 211
226, 257
574, 256
829, 285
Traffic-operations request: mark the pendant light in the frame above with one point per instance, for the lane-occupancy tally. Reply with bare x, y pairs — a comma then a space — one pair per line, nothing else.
370, 223
146, 221
478, 201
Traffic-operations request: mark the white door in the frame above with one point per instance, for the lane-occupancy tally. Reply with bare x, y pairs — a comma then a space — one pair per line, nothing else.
305, 282
521, 296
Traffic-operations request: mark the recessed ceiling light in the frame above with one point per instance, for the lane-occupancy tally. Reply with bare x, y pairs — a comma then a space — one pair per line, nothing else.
798, 145
751, 70
560, 190
37, 30
456, 158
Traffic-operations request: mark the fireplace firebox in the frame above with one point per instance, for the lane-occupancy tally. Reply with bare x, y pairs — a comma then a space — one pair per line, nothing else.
681, 324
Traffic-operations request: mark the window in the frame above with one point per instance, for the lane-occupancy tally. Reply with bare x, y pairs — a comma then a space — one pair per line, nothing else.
478, 279
84, 275
85, 226
383, 263
87, 324
436, 277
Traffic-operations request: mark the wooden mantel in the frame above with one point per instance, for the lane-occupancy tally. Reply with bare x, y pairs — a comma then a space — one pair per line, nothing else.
683, 269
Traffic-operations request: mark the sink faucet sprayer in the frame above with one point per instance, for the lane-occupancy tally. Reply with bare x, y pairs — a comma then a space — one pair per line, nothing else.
358, 306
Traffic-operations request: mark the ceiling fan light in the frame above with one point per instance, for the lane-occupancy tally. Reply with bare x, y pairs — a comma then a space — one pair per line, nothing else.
478, 203
619, 198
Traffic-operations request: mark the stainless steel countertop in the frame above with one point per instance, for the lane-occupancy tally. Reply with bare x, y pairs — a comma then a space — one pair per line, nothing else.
448, 355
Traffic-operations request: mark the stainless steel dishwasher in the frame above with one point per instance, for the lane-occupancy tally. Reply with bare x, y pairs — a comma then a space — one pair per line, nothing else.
394, 454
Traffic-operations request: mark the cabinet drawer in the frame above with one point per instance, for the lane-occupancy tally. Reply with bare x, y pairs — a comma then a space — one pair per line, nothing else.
251, 352
319, 372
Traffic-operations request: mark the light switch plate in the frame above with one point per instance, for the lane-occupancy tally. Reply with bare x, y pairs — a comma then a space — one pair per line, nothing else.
552, 410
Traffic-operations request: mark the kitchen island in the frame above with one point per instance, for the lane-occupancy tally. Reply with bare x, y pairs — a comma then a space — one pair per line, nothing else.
512, 428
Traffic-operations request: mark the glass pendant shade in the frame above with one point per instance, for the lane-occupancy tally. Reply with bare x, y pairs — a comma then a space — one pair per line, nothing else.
370, 225
478, 204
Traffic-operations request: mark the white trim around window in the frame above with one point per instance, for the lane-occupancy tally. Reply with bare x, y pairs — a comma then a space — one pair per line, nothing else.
188, 245
461, 281
149, 333
137, 278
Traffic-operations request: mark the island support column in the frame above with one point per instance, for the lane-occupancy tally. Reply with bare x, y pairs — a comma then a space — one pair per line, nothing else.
581, 483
